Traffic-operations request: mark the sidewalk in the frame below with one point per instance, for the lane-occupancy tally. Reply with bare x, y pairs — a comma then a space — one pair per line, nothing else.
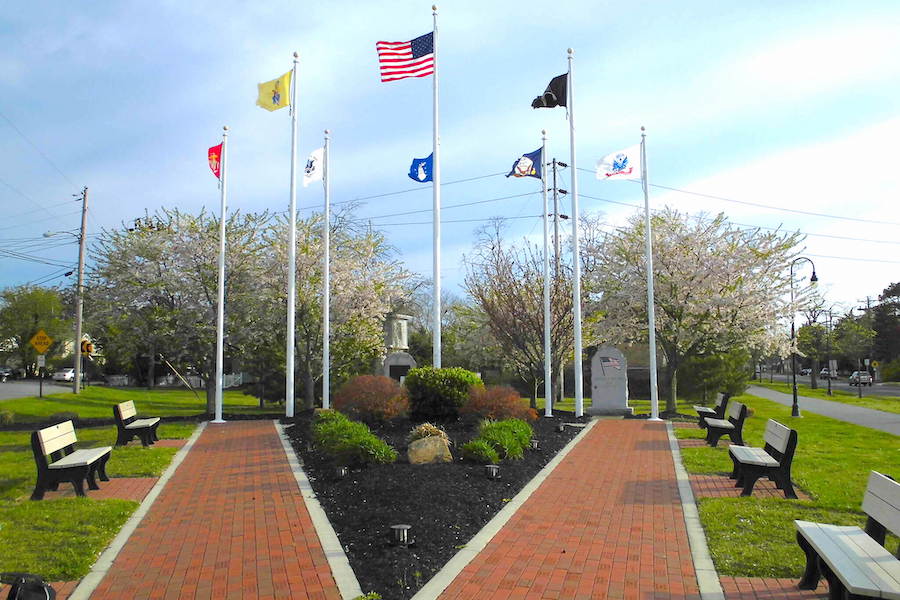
231, 523
858, 415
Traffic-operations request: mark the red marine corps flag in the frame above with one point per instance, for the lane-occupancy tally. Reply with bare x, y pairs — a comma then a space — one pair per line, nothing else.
215, 160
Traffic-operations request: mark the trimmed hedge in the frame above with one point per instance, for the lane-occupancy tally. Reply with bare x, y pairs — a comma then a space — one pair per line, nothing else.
371, 399
438, 394
349, 442
496, 402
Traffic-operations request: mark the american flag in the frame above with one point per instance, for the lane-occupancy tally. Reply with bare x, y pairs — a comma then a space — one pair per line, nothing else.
399, 60
608, 361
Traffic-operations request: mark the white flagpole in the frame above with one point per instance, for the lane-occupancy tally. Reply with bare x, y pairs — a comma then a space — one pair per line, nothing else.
326, 303
548, 382
651, 312
220, 308
436, 186
576, 252
292, 254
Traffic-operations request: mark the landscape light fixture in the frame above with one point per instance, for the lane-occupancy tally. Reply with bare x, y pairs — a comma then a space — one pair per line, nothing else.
400, 535
492, 471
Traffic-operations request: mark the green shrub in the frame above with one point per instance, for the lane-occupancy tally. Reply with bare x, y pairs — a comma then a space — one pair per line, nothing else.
61, 417
371, 399
7, 417
509, 438
426, 430
438, 393
495, 402
348, 442
891, 371
481, 452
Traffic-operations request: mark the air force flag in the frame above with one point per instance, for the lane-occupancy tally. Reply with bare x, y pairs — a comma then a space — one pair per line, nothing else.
421, 168
529, 165
624, 164
314, 167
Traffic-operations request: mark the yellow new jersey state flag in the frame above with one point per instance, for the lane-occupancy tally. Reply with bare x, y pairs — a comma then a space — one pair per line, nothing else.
275, 94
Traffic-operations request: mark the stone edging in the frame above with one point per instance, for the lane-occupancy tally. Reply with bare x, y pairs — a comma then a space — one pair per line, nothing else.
707, 578
90, 581
334, 551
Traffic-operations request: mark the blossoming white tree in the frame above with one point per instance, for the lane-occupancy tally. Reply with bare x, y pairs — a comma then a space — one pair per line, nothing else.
717, 286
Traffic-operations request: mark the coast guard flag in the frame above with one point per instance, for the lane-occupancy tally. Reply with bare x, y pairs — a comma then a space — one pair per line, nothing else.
314, 167
399, 60
554, 95
529, 165
421, 168
624, 164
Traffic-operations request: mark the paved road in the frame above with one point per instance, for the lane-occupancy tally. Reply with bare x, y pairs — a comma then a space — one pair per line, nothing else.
21, 389
879, 389
875, 419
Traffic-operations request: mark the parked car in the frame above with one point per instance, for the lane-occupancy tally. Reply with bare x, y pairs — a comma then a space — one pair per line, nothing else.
65, 375
824, 373
860, 378
805, 371
5, 373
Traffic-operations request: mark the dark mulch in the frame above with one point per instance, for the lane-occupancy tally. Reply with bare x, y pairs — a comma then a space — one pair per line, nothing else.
446, 504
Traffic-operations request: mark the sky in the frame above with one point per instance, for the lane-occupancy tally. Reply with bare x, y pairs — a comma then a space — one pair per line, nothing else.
778, 114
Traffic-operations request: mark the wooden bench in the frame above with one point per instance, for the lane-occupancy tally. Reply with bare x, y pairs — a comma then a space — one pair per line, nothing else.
854, 561
732, 425
58, 460
773, 460
705, 412
130, 426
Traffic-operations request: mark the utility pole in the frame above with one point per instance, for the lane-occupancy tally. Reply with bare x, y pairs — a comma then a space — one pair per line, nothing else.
79, 303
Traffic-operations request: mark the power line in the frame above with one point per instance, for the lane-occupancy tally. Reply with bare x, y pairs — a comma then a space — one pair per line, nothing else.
36, 149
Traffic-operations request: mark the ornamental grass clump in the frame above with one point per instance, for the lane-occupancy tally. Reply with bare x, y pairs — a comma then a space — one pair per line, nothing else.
481, 452
349, 442
427, 430
438, 394
371, 399
509, 437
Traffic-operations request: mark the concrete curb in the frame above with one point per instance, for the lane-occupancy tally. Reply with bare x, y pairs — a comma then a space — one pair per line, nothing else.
334, 551
90, 581
707, 577
443, 578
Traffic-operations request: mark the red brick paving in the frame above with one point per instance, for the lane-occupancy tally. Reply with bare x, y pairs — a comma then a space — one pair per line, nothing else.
127, 488
231, 523
607, 523
720, 486
757, 588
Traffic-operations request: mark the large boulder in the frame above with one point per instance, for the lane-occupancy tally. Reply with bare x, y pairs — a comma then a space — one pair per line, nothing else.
432, 449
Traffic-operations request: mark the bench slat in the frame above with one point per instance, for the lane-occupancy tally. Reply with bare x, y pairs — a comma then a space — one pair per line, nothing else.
882, 501
777, 435
57, 437
822, 538
80, 458
141, 423
720, 423
127, 409
753, 456
881, 566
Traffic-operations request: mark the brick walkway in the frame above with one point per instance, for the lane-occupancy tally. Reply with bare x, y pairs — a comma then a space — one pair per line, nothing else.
607, 523
231, 523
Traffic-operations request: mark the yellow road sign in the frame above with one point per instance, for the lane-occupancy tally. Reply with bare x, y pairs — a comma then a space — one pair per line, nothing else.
41, 341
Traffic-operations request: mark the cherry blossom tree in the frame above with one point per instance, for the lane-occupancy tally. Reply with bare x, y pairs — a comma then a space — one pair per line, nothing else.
717, 287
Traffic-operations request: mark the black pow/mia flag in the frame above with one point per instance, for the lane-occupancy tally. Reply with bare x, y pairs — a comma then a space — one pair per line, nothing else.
555, 94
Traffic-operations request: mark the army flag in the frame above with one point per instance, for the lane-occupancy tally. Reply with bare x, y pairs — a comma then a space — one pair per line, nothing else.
554, 95
314, 167
275, 94
624, 164
421, 169
215, 160
528, 165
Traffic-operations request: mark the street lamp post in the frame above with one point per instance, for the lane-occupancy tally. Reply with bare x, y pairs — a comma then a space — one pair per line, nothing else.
795, 408
79, 302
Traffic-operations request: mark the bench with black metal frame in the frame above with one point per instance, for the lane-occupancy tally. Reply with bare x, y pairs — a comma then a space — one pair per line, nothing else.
854, 561
773, 460
130, 426
732, 425
705, 412
58, 461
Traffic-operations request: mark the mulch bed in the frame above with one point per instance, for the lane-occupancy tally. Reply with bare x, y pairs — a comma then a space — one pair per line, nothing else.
446, 504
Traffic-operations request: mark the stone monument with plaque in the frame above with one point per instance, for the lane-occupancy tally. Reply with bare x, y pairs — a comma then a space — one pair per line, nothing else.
397, 362
609, 383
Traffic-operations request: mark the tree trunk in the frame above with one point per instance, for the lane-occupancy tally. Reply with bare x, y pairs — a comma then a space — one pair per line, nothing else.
211, 395
309, 389
534, 387
814, 374
671, 400
151, 370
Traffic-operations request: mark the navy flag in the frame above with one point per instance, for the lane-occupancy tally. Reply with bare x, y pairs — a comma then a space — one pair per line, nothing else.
529, 165
554, 95
421, 168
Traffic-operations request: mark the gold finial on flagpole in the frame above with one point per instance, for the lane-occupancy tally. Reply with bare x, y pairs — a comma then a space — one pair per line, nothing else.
571, 52
225, 127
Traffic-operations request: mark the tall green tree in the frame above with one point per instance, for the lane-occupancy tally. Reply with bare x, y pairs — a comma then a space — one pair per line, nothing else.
886, 323
23, 311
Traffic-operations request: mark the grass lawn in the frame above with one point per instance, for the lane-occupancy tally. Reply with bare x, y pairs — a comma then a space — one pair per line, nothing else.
756, 537
889, 404
98, 402
640, 406
60, 539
